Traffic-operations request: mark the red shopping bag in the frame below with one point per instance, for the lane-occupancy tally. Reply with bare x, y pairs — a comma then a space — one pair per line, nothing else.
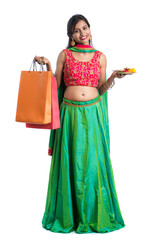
55, 116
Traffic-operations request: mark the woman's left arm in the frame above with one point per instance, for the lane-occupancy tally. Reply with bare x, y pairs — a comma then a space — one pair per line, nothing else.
104, 85
102, 80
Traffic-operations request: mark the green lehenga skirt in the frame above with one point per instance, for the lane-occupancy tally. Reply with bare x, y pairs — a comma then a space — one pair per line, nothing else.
81, 191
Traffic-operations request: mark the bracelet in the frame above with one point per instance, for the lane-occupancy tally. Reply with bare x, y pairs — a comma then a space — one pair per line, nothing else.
108, 87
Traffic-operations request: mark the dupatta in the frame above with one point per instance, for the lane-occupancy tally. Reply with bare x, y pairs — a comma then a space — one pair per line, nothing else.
103, 102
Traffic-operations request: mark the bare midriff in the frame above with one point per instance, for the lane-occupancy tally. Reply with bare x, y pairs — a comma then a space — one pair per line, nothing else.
80, 93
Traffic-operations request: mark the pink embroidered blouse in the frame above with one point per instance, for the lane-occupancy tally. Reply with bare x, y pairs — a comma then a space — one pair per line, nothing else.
78, 73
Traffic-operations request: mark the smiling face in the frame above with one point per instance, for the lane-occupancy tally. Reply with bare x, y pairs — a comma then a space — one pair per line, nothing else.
81, 33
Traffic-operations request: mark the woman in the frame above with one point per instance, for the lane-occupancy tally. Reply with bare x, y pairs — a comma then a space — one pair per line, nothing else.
81, 191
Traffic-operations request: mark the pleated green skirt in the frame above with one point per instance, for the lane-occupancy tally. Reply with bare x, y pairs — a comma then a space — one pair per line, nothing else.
81, 193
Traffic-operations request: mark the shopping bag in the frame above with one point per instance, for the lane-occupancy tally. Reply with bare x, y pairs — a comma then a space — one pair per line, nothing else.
55, 116
34, 96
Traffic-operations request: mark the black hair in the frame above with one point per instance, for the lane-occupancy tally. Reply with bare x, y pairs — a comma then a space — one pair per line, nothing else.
71, 26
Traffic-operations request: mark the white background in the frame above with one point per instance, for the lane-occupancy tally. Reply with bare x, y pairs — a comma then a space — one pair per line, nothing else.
127, 33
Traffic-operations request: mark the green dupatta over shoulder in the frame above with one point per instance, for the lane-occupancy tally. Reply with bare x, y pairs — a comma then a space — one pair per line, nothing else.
103, 102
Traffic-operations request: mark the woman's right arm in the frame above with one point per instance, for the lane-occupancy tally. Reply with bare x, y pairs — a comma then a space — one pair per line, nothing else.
59, 67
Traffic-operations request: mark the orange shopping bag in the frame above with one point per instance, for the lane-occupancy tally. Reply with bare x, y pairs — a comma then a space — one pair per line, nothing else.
55, 115
34, 97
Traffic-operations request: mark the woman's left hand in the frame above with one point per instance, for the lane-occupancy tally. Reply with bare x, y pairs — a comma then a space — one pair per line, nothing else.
116, 74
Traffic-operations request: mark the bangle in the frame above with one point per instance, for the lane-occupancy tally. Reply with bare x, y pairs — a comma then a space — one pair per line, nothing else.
108, 86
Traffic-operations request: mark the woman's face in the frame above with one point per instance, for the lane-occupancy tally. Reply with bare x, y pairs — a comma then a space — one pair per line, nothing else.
81, 33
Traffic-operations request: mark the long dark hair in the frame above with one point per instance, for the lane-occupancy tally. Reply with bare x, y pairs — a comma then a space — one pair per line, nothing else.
71, 26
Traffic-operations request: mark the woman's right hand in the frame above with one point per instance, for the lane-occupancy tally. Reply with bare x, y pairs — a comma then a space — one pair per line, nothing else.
42, 59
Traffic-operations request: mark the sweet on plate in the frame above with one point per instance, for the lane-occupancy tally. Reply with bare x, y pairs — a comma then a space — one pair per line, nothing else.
128, 70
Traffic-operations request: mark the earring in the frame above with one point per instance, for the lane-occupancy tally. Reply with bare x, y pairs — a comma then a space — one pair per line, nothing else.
73, 43
90, 38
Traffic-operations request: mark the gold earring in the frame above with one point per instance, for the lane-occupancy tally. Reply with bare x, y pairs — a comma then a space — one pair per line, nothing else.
90, 38
73, 43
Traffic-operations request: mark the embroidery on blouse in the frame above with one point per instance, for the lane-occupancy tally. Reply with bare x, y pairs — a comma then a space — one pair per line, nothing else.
77, 73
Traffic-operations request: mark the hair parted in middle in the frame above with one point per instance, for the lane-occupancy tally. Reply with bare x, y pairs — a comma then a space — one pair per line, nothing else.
71, 26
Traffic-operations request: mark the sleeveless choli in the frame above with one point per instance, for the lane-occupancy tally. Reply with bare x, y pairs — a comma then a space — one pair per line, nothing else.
77, 73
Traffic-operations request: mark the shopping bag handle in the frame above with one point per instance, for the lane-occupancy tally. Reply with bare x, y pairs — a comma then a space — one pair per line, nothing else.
35, 66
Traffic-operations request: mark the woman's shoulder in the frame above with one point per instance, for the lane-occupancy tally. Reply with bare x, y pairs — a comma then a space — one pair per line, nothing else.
62, 53
61, 56
101, 54
66, 50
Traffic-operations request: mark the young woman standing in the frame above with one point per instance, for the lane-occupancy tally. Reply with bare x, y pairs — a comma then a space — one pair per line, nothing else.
81, 191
